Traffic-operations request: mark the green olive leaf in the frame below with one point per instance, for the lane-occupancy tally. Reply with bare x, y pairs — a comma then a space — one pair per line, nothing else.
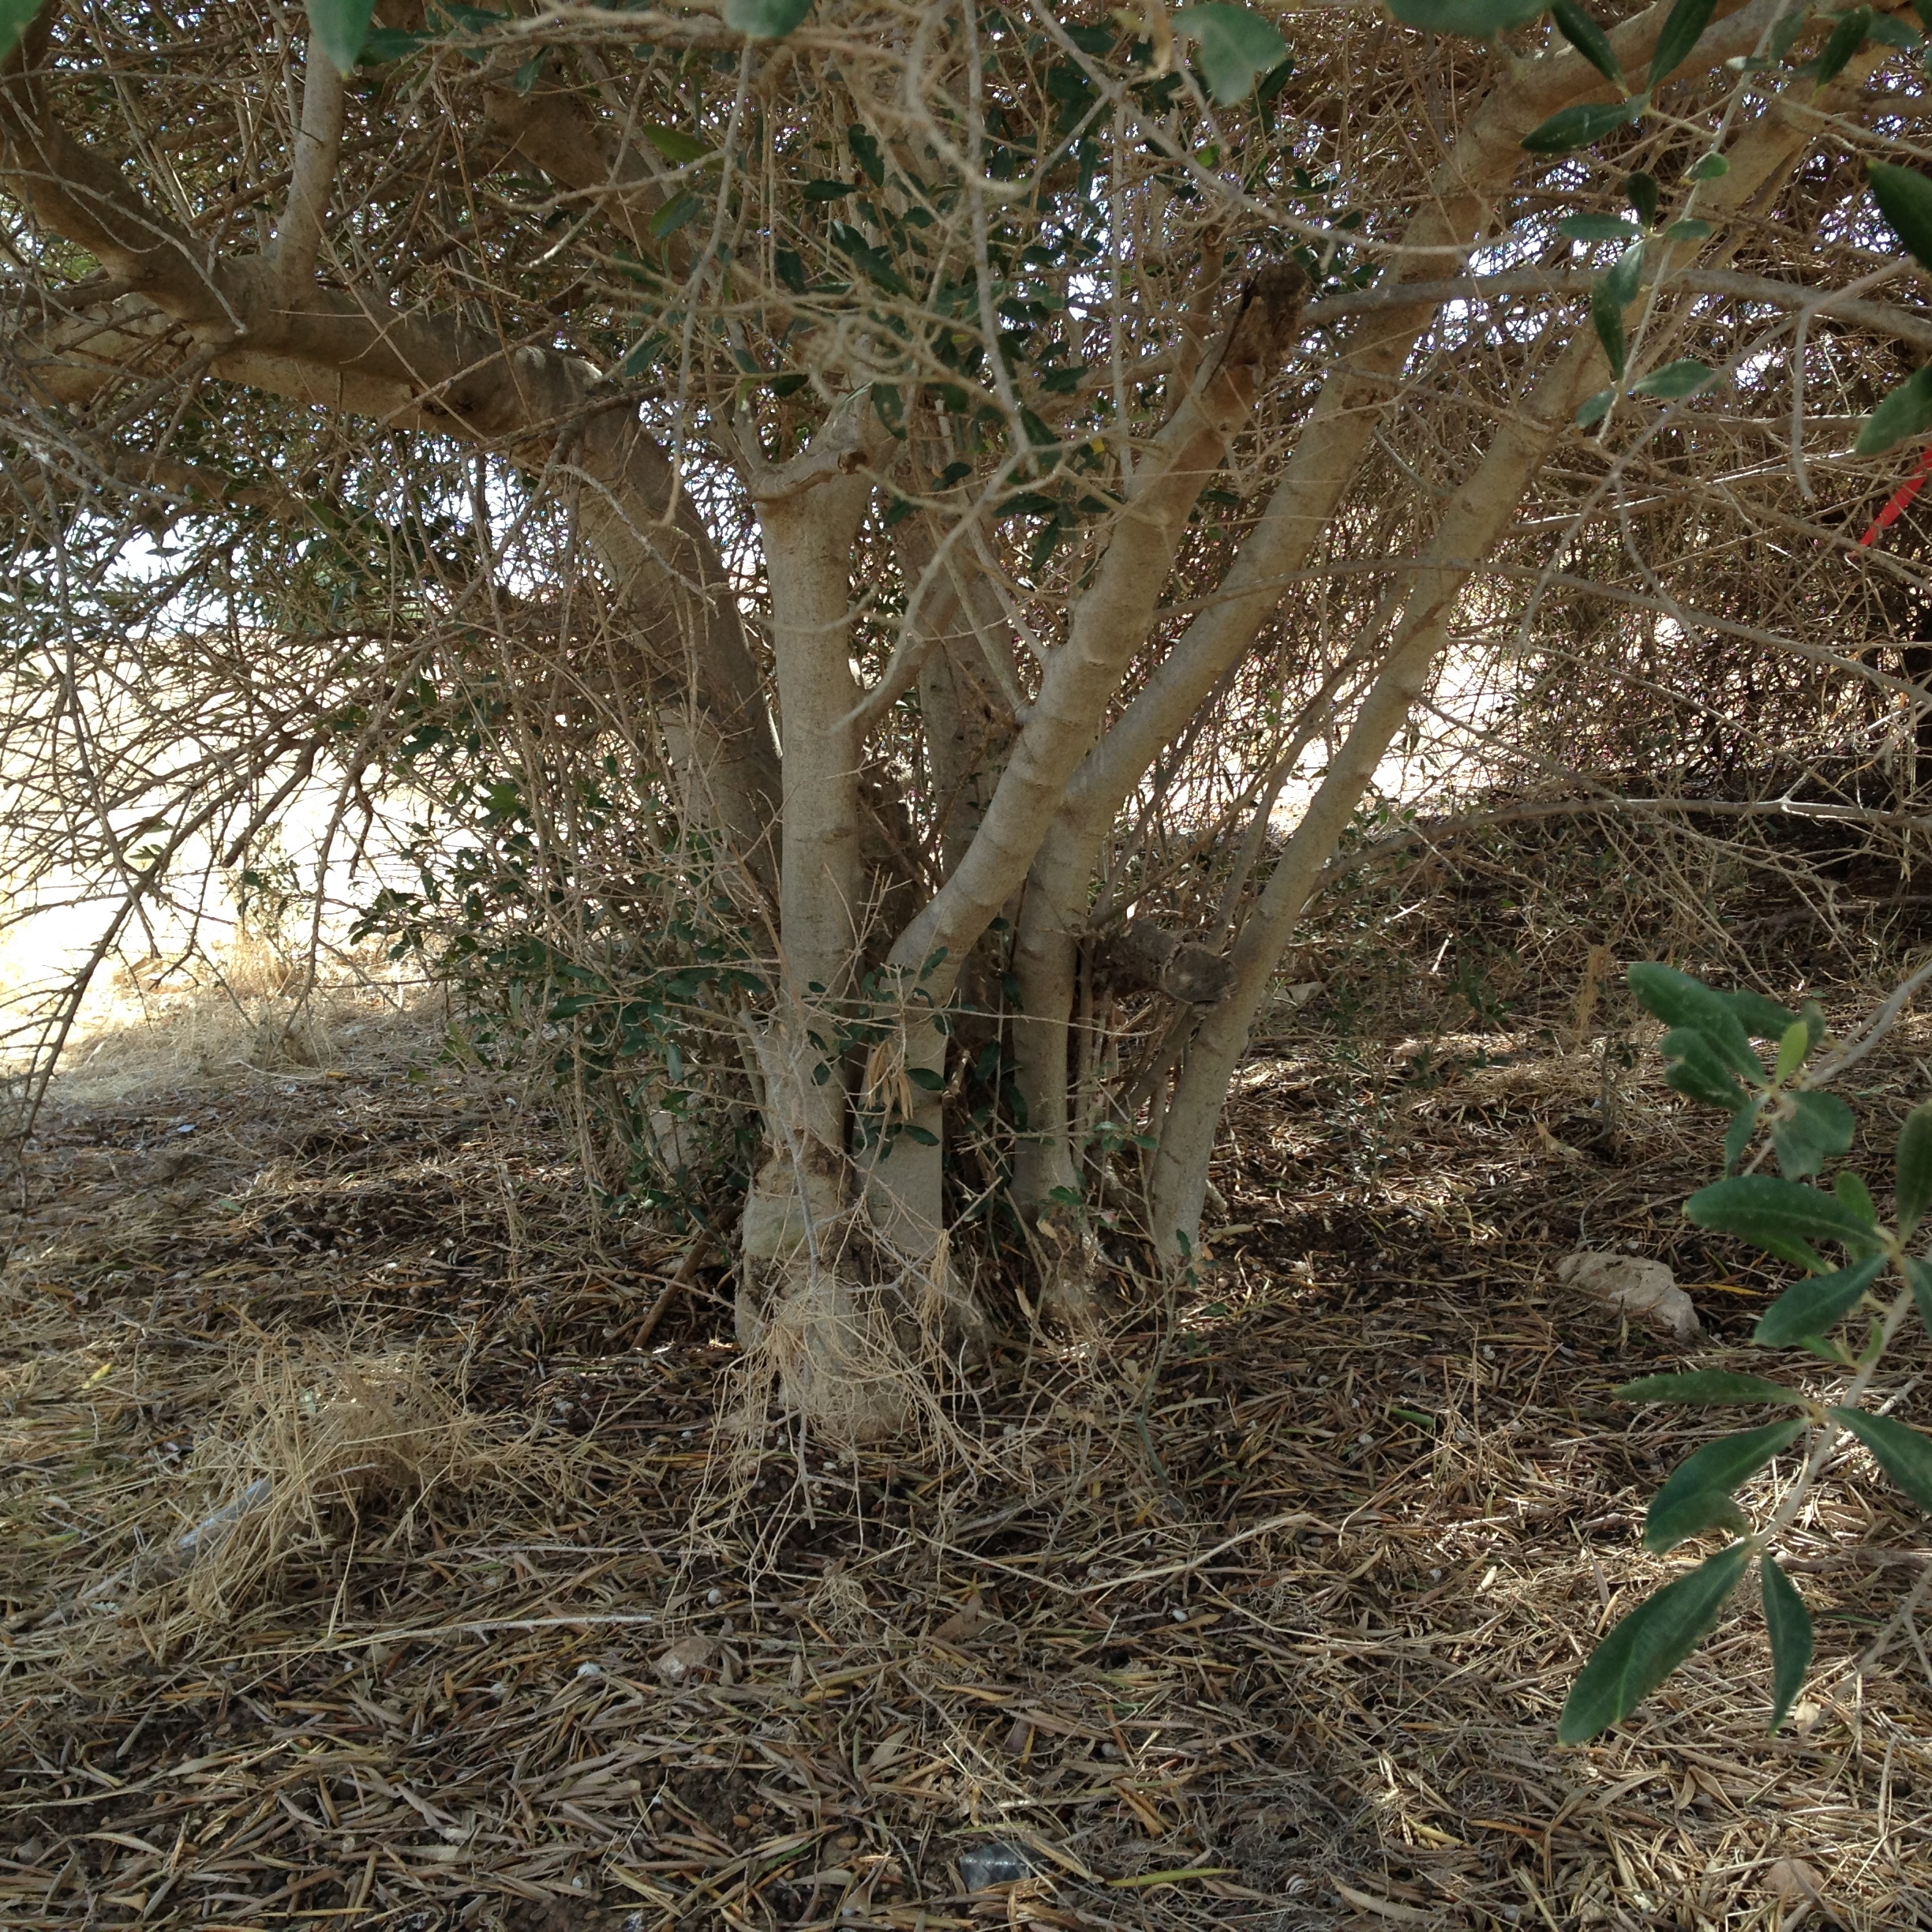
1649, 1645
1789, 1622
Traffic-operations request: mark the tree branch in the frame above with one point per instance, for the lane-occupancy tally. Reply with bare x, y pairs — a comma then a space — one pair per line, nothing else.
550, 130
347, 350
1109, 622
1471, 527
318, 143
1364, 386
1884, 319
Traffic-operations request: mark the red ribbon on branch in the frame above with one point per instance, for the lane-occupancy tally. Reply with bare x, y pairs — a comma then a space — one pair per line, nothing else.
1901, 500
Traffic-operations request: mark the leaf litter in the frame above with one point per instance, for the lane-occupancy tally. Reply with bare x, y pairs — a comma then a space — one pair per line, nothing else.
360, 1568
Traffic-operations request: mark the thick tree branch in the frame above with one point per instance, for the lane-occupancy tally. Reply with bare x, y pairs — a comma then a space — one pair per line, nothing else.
553, 130
318, 143
1456, 211
1328, 453
1109, 622
1474, 521
1886, 319
348, 351
1479, 515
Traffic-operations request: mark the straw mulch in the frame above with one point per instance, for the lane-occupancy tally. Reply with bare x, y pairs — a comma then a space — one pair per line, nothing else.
1264, 1624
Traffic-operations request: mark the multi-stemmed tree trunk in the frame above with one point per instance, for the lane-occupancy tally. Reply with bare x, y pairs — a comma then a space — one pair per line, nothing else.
979, 321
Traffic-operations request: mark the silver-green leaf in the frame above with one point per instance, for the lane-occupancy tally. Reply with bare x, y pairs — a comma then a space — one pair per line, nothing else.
1682, 378
1578, 126
1649, 1645
1919, 1273
1681, 31
1778, 1215
1764, 1018
675, 144
1905, 1454
1697, 1497
1819, 1125
16, 17
1915, 1167
1679, 1000
1905, 198
1694, 1066
1589, 38
1607, 316
1598, 228
1846, 38
1789, 1622
340, 27
1905, 413
1625, 275
1706, 1385
765, 20
1813, 1308
1237, 47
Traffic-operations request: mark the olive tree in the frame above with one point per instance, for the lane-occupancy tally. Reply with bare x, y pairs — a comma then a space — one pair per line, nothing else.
1008, 444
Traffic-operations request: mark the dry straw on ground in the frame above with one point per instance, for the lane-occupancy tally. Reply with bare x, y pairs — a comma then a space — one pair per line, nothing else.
260, 1018
315, 1438
1262, 1620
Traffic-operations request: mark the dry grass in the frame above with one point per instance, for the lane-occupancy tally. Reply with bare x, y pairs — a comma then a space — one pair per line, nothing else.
251, 1014
307, 1445
315, 1440
1282, 1606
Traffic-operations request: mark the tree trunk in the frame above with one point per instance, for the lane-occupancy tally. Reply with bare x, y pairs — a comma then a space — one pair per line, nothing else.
1476, 521
1017, 773
1046, 1177
804, 1299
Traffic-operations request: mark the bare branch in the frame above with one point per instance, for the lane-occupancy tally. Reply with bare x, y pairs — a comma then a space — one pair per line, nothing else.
318, 141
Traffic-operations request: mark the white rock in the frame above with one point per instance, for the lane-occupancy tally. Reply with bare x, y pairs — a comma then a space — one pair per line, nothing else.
1645, 1290
677, 1663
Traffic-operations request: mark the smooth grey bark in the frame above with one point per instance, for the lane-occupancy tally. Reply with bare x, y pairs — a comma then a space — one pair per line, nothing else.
968, 689
808, 535
1107, 626
318, 142
1481, 512
1108, 623
809, 1296
1478, 517
1328, 455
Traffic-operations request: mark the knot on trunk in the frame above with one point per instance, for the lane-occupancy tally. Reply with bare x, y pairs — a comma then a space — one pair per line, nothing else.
1269, 314
1146, 958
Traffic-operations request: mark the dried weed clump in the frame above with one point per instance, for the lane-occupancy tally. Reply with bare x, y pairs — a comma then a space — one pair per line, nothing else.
868, 1336
318, 1447
317, 1455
